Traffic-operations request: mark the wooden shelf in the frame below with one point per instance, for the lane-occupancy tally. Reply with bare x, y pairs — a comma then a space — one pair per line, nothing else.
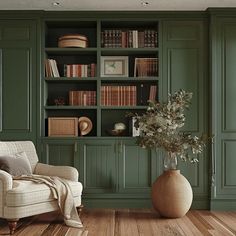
70, 79
129, 51
130, 79
67, 107
71, 51
124, 107
103, 116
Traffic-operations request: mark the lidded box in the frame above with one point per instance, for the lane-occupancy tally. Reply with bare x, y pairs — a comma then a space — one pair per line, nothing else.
73, 40
62, 126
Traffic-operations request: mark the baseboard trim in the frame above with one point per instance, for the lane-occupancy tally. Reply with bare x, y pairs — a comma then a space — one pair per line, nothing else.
117, 203
134, 203
200, 204
223, 205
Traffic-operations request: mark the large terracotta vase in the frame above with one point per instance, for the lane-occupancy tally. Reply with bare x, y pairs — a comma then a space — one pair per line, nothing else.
172, 193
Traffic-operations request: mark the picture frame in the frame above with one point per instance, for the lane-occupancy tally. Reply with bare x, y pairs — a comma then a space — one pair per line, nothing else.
114, 66
135, 131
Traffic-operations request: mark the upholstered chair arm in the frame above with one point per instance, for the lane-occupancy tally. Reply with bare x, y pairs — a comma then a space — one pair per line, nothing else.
5, 181
5, 185
66, 172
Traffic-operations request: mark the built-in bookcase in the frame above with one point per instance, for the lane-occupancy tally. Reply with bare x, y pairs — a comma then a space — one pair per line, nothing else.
101, 93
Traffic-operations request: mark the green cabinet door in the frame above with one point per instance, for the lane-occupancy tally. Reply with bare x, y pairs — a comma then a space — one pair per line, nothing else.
60, 153
137, 168
185, 67
18, 80
116, 172
98, 168
223, 38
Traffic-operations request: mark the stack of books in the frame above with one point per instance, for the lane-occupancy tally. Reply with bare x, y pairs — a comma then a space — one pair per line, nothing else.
144, 67
82, 98
80, 70
51, 69
72, 70
113, 38
118, 95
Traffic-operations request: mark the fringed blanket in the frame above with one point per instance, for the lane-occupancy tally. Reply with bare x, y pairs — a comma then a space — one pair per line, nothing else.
62, 192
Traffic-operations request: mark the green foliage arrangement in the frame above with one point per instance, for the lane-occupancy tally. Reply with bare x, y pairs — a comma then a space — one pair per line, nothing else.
160, 127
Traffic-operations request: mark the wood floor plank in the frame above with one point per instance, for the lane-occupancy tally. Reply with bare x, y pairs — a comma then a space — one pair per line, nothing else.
25, 223
36, 225
218, 226
144, 219
227, 219
162, 226
201, 226
89, 221
55, 224
125, 225
93, 221
186, 228
76, 232
174, 227
128, 222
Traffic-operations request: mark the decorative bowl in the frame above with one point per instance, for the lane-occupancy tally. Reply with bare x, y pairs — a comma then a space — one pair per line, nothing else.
116, 132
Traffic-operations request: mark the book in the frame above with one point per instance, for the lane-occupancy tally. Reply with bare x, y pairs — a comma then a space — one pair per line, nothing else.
51, 69
145, 67
82, 98
113, 95
129, 38
80, 70
152, 93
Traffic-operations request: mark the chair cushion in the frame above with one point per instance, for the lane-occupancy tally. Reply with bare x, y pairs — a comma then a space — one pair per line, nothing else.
27, 193
16, 164
28, 147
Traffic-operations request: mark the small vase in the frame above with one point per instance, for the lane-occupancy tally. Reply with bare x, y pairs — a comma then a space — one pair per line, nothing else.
171, 193
170, 161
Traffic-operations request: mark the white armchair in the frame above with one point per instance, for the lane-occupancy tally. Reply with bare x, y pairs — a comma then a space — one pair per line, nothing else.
20, 198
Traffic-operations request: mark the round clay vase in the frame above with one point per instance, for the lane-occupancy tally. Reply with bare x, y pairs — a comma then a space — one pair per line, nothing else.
172, 194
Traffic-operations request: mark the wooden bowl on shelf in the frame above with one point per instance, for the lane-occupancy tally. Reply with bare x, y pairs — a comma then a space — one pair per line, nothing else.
116, 132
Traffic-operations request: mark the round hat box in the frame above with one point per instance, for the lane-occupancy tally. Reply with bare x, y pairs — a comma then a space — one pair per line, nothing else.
73, 40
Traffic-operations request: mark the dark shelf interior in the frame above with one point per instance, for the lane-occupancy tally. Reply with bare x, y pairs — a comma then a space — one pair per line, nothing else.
103, 116
91, 114
111, 117
61, 90
55, 30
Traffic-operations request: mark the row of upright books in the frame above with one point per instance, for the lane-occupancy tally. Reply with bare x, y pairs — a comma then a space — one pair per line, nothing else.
118, 38
70, 70
82, 98
112, 95
144, 67
80, 70
51, 69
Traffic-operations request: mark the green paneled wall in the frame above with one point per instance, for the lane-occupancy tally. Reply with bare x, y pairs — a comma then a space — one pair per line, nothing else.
223, 112
185, 66
18, 80
115, 172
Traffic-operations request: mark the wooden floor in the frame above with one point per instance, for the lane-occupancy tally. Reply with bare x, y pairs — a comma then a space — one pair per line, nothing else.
128, 222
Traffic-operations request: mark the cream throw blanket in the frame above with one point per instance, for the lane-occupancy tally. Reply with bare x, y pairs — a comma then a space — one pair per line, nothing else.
62, 192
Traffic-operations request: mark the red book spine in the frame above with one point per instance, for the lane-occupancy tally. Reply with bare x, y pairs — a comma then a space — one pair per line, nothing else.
109, 95
102, 95
93, 66
118, 96
71, 98
135, 96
